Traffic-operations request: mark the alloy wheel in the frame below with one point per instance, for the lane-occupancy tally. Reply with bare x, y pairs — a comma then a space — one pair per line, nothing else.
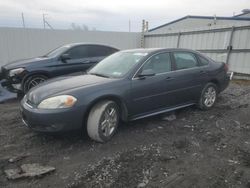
34, 82
109, 121
209, 96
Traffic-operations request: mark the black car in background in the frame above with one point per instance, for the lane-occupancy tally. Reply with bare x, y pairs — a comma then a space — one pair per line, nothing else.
127, 85
21, 76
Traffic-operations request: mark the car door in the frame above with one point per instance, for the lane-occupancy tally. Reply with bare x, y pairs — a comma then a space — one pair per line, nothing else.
151, 93
189, 77
79, 59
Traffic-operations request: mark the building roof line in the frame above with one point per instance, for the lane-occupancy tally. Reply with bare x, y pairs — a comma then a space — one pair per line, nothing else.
201, 17
241, 14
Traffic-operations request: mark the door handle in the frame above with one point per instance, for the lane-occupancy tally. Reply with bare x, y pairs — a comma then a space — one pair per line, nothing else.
202, 72
87, 61
169, 78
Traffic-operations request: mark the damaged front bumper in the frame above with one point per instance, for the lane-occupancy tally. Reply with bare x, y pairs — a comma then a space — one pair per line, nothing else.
12, 84
12, 87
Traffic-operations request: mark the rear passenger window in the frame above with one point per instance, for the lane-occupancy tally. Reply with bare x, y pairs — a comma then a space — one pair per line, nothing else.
184, 60
159, 63
203, 61
98, 51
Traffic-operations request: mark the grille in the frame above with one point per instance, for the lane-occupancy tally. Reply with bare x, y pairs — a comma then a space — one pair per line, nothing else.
29, 102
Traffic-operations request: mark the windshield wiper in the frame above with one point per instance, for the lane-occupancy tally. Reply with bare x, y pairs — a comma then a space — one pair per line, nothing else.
101, 75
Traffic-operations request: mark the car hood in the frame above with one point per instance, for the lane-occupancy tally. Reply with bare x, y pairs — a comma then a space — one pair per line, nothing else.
25, 62
63, 84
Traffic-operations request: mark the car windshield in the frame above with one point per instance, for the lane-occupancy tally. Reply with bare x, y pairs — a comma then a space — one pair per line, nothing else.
117, 65
56, 51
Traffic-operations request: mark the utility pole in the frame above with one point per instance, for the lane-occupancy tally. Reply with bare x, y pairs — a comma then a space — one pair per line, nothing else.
142, 33
23, 20
129, 25
44, 21
146, 26
215, 19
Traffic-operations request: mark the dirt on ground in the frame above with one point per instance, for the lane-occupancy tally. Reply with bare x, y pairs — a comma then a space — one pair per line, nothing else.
197, 149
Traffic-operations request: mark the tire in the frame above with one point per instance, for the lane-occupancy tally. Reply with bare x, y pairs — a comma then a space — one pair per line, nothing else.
208, 96
100, 113
33, 81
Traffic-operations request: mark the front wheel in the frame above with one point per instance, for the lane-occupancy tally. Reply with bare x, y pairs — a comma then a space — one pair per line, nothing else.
33, 81
103, 121
208, 96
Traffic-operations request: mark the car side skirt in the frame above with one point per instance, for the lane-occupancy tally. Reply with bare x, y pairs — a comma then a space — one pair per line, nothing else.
160, 111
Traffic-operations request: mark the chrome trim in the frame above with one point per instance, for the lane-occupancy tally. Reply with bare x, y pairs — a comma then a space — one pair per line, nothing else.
161, 111
136, 78
25, 123
27, 104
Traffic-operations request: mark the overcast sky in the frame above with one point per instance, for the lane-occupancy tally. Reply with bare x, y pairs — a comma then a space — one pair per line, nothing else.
111, 14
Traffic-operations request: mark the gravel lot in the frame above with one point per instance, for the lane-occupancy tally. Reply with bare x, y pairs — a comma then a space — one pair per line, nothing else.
197, 149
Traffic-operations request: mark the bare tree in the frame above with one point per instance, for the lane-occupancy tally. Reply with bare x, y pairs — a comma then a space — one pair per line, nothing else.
85, 27
75, 26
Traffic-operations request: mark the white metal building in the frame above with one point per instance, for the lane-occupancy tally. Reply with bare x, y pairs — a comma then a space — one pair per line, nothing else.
194, 22
245, 14
224, 39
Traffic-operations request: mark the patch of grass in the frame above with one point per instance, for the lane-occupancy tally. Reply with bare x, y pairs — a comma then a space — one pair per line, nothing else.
241, 82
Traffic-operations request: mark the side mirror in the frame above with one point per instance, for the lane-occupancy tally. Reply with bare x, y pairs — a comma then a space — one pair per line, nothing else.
65, 57
146, 73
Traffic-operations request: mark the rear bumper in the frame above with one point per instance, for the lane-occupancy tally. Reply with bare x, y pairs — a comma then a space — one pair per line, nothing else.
57, 120
225, 83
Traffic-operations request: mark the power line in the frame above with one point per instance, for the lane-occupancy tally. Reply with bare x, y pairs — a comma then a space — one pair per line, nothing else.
48, 25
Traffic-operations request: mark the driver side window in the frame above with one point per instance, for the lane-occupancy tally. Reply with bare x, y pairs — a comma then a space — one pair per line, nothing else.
159, 63
78, 52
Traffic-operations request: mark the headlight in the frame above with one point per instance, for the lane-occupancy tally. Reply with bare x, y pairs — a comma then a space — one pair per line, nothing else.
16, 71
62, 101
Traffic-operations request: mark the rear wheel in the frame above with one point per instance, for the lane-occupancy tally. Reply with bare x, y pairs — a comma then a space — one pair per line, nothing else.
103, 121
33, 81
208, 96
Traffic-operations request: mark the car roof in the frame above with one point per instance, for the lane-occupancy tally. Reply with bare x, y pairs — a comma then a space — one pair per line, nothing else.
142, 50
155, 50
83, 43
